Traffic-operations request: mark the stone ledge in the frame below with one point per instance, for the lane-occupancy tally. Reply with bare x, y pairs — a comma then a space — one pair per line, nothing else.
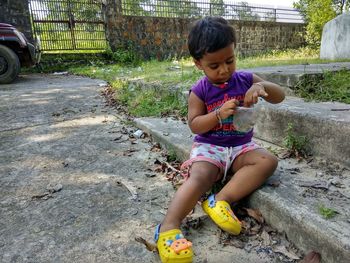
326, 126
288, 207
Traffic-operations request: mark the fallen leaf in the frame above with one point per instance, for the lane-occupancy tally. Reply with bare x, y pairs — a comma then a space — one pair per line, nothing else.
150, 246
129, 152
315, 184
194, 223
236, 243
256, 214
266, 238
131, 188
254, 230
156, 147
283, 250
118, 138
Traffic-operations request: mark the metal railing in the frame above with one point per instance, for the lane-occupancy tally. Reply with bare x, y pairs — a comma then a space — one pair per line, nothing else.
68, 24
200, 8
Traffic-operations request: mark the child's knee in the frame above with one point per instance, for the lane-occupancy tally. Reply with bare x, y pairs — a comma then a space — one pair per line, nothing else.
268, 161
201, 174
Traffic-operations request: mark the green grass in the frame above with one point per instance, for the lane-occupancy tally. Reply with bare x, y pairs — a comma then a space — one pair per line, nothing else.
326, 212
153, 101
168, 78
331, 86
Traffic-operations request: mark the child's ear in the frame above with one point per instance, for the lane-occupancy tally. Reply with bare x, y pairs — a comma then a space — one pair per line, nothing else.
198, 64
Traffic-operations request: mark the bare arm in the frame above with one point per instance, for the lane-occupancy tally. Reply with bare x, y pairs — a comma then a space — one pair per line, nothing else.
269, 91
200, 121
198, 118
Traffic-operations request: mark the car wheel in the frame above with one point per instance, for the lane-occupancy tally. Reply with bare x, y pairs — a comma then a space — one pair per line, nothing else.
9, 65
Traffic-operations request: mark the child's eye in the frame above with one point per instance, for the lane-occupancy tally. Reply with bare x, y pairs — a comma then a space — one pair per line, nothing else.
213, 66
229, 61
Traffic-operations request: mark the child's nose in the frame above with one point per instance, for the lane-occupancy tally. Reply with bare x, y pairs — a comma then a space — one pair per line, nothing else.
223, 69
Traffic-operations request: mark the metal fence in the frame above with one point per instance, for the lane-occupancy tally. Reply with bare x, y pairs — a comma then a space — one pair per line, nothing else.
79, 24
199, 8
68, 24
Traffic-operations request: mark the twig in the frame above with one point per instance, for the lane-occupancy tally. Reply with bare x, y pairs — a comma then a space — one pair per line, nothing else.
340, 109
172, 167
131, 189
150, 246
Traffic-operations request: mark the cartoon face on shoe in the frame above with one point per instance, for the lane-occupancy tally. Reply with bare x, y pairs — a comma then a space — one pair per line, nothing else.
218, 66
179, 244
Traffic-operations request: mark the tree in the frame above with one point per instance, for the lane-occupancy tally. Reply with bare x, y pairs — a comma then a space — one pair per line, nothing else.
217, 7
162, 8
175, 8
317, 13
341, 6
245, 12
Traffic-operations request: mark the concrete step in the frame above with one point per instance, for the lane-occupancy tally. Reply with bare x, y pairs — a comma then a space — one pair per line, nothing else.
326, 126
293, 206
288, 76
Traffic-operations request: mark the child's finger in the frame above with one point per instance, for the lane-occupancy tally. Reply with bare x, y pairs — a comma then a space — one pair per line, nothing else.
255, 97
248, 102
263, 93
234, 102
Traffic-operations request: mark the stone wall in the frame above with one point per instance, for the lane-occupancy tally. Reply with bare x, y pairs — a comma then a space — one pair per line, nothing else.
16, 12
160, 38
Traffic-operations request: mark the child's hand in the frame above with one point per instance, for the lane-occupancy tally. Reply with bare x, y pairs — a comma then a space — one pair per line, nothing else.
228, 108
253, 94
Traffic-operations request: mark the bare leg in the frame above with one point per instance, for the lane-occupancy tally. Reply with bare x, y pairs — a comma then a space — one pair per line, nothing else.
312, 257
251, 170
203, 176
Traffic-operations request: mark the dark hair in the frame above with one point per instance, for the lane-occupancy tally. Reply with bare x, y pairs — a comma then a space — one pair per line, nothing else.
210, 34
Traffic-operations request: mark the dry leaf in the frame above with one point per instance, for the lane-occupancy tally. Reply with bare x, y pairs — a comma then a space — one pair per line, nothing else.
266, 238
254, 230
150, 246
129, 152
256, 214
283, 250
156, 148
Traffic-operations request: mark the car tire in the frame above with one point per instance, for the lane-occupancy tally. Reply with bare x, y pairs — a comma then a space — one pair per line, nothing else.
9, 65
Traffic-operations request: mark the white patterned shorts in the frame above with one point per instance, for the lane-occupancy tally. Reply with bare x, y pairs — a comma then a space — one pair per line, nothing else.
222, 157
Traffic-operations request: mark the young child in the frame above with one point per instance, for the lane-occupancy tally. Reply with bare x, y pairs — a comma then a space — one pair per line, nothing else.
218, 147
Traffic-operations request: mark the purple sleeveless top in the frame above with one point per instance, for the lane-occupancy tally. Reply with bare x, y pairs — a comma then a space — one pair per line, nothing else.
214, 97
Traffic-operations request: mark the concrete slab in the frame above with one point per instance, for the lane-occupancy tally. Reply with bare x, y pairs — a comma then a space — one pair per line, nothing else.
293, 206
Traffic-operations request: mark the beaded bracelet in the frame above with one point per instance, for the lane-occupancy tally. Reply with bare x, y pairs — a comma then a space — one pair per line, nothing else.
217, 114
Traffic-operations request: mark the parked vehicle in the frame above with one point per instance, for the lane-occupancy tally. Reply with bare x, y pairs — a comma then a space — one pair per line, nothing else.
15, 52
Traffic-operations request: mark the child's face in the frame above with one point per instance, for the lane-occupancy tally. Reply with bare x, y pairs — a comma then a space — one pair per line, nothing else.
218, 66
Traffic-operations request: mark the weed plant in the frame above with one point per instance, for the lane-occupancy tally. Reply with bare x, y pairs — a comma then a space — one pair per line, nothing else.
326, 212
296, 144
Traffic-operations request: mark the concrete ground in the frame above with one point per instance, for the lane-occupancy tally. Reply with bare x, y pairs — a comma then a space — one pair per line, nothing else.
75, 186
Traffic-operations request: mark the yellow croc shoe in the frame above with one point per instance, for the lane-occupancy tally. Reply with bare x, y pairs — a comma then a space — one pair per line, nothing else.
221, 213
173, 247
